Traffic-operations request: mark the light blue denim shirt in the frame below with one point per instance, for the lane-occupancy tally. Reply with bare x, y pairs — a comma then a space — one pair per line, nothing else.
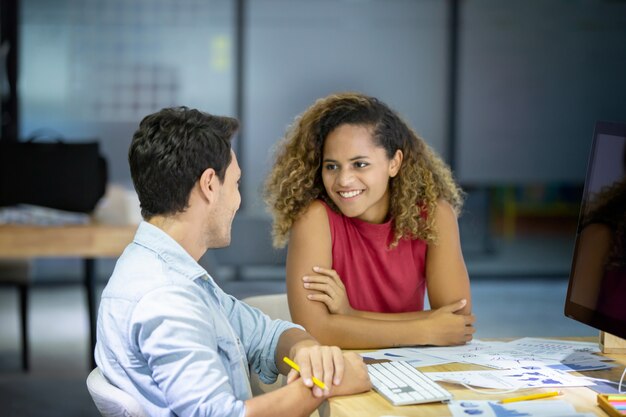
171, 338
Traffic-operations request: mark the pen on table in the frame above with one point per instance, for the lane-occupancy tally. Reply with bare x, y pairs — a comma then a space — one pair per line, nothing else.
297, 369
531, 397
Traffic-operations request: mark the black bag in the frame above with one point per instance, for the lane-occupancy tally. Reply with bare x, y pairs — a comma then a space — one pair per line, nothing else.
61, 175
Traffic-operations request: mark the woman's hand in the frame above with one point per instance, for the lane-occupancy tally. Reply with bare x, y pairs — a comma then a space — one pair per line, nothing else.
449, 327
329, 289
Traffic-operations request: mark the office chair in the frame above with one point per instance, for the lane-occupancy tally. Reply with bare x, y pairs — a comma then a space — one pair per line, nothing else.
17, 273
275, 306
110, 400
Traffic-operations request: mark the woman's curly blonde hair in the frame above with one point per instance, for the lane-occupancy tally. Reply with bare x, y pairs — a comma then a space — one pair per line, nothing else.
295, 180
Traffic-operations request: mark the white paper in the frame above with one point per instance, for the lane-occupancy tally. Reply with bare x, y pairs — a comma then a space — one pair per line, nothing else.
414, 357
513, 378
525, 353
549, 349
548, 408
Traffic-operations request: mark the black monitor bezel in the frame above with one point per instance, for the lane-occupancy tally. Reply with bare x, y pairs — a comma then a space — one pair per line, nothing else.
573, 310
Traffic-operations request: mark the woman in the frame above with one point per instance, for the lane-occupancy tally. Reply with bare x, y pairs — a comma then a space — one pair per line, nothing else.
370, 214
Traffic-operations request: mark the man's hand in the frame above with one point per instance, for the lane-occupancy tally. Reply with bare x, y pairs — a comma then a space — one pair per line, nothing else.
326, 363
343, 373
355, 376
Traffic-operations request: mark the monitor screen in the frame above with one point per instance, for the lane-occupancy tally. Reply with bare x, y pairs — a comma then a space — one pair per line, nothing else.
596, 294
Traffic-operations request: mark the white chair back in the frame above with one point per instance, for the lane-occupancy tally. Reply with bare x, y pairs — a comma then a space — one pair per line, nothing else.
110, 400
274, 305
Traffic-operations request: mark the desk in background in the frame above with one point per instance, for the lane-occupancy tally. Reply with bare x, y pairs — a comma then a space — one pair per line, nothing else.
371, 404
80, 241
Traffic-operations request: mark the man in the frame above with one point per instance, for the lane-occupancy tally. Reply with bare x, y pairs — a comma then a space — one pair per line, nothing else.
167, 334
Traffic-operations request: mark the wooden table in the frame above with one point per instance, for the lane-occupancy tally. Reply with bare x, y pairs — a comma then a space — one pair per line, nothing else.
374, 405
84, 241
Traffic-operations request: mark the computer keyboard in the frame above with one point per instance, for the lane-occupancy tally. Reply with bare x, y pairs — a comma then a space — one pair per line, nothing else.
402, 384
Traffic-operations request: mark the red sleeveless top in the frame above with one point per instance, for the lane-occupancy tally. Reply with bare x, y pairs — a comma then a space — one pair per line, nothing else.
377, 278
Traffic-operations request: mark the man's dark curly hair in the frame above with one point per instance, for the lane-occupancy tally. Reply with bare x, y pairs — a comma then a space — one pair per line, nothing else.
170, 151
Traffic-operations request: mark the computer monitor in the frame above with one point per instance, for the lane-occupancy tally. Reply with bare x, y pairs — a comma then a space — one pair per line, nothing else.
596, 294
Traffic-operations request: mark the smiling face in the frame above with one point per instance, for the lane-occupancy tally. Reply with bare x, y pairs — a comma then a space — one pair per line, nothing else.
356, 173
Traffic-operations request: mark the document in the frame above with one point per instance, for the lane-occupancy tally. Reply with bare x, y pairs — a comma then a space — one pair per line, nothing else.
548, 408
513, 378
415, 357
525, 353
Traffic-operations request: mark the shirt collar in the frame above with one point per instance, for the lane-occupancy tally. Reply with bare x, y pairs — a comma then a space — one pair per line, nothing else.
158, 241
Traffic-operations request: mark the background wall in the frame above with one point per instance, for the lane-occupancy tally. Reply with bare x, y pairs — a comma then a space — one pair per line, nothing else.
532, 77
94, 69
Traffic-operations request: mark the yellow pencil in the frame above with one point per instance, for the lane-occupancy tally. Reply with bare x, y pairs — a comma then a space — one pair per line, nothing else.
531, 397
297, 368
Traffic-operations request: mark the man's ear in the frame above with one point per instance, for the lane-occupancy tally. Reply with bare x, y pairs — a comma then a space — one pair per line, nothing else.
208, 183
396, 163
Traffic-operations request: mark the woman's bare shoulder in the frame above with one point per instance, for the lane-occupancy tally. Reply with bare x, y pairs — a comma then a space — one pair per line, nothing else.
444, 212
314, 213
